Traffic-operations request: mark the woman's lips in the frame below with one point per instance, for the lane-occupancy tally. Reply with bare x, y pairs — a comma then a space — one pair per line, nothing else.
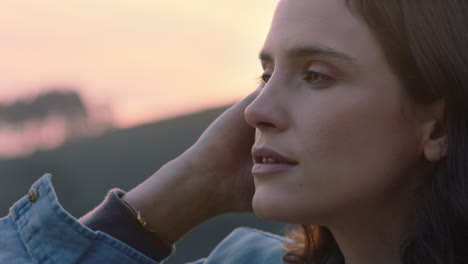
270, 168
268, 161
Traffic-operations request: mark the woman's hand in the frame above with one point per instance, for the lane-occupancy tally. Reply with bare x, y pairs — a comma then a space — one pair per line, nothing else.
212, 177
223, 155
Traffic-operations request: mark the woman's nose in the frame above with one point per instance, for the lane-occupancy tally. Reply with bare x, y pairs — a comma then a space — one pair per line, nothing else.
267, 111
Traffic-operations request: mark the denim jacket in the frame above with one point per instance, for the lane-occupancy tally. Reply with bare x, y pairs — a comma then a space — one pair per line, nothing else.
38, 230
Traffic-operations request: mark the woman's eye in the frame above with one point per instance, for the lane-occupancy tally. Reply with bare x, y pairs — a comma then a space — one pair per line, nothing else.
265, 77
312, 77
315, 77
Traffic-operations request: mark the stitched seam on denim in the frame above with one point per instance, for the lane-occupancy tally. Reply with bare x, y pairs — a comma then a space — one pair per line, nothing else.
82, 256
47, 258
22, 223
11, 220
21, 207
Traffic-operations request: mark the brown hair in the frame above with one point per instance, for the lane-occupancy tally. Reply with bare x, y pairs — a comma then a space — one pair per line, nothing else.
425, 43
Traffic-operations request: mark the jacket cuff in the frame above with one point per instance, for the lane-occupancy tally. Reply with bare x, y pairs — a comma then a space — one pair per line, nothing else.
52, 235
115, 217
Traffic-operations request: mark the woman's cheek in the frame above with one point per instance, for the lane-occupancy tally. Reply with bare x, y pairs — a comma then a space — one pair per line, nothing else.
355, 152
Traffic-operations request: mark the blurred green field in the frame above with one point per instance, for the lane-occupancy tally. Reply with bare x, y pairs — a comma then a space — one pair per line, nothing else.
84, 171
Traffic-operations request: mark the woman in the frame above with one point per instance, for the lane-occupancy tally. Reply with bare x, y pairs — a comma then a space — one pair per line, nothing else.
361, 123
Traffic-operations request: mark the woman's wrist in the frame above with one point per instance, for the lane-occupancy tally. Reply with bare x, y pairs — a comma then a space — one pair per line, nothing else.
176, 198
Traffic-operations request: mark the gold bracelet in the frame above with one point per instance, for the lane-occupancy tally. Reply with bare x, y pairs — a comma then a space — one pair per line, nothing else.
143, 223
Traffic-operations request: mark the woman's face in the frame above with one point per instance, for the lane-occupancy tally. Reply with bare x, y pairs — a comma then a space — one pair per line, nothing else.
331, 103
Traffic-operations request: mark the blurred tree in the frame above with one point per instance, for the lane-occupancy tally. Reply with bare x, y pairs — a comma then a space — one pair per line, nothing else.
65, 104
46, 121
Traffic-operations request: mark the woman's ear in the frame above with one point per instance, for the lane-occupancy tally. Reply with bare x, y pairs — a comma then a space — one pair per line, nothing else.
435, 150
434, 132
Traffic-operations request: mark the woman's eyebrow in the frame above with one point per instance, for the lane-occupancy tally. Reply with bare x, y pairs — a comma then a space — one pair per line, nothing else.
307, 51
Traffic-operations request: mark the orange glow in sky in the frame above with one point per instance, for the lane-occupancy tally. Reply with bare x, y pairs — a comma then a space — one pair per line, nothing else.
149, 59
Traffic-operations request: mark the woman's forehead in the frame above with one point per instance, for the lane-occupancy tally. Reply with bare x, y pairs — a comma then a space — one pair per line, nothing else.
311, 11
324, 23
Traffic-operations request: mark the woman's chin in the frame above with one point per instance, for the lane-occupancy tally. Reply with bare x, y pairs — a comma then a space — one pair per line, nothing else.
272, 208
282, 207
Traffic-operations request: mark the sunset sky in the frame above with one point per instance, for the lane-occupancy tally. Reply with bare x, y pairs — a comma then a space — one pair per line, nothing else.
148, 59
